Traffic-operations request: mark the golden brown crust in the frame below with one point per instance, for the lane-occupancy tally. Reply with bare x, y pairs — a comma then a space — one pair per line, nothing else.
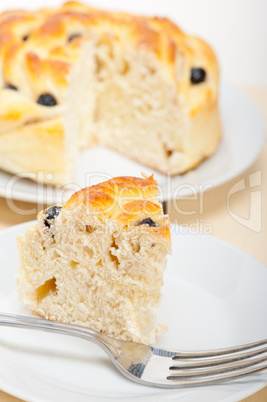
125, 201
119, 189
42, 62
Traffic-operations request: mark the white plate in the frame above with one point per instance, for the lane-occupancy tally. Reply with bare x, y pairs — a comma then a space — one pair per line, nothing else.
243, 138
214, 296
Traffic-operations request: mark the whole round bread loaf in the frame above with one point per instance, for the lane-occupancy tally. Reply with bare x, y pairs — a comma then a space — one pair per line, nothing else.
77, 77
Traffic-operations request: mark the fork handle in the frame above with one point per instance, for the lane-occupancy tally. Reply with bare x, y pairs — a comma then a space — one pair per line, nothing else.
109, 345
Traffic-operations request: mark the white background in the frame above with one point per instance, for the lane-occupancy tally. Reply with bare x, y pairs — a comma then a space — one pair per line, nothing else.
236, 29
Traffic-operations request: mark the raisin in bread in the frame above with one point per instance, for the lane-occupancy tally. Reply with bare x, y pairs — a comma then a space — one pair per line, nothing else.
98, 260
77, 77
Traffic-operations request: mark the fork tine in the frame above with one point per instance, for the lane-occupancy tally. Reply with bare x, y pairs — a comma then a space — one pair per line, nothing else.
182, 382
231, 358
218, 352
227, 368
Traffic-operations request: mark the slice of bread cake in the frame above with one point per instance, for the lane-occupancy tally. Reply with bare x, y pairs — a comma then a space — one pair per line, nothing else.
98, 260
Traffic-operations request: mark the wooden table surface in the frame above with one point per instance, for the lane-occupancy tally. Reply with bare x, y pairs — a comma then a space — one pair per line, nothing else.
213, 214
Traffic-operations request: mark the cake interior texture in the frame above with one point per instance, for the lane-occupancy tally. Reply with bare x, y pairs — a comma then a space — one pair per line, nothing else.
77, 77
98, 260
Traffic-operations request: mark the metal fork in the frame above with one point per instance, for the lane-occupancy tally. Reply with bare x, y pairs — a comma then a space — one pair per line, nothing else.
149, 365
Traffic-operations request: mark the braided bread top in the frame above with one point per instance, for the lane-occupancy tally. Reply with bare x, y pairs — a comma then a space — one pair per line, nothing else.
127, 201
37, 50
